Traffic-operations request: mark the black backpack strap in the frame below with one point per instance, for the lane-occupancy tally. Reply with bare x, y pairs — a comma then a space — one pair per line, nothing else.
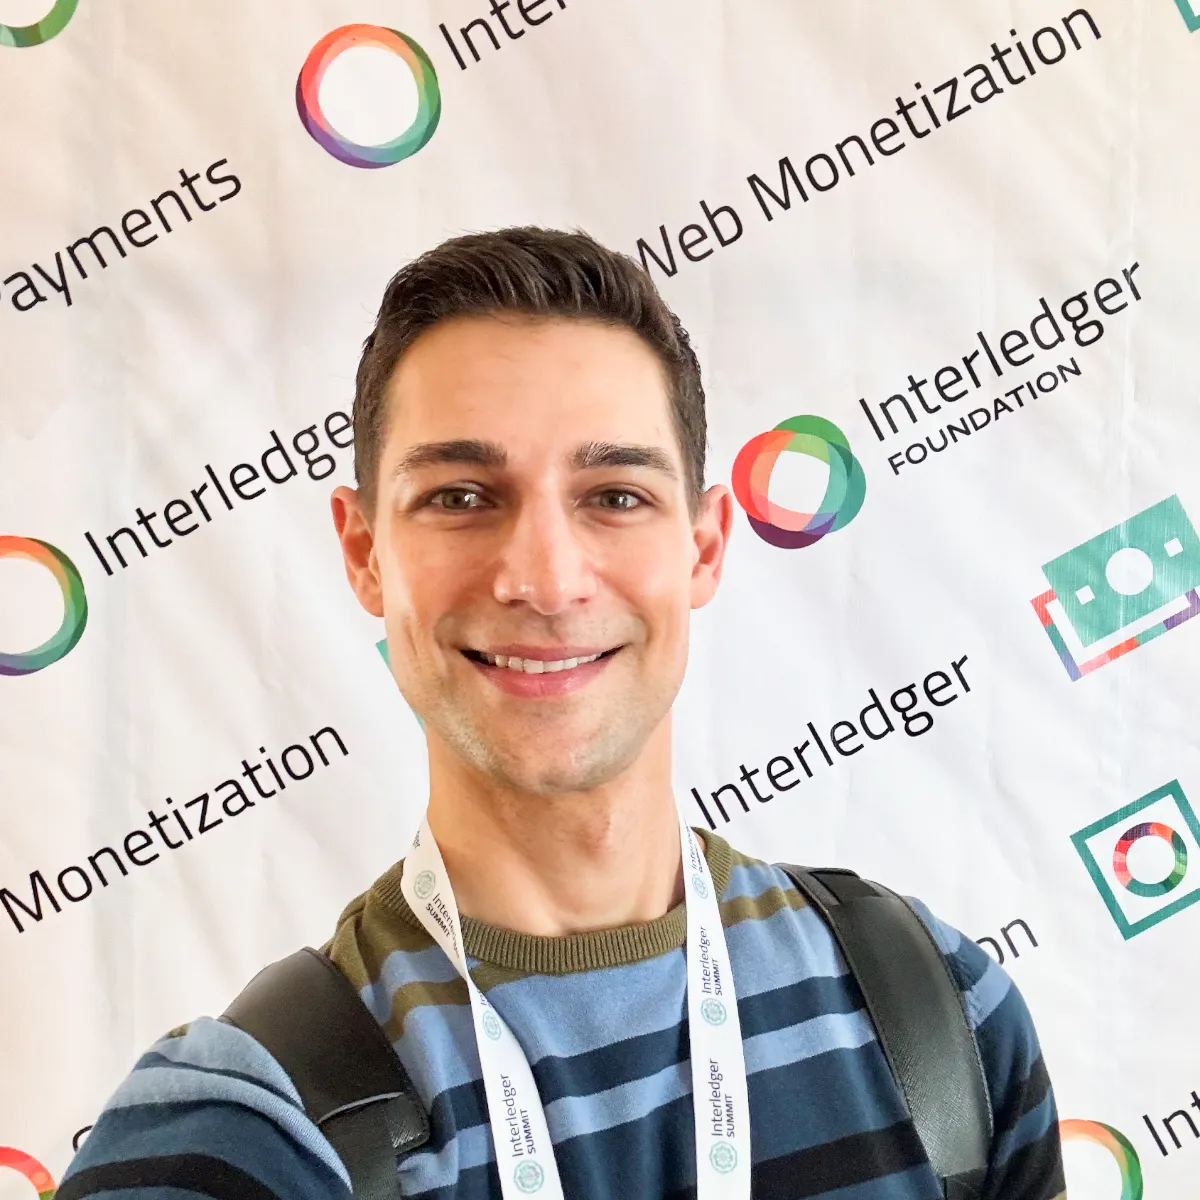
917, 1011
305, 1013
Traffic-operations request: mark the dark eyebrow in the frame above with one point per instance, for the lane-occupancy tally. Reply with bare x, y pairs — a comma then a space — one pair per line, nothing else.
461, 451
620, 454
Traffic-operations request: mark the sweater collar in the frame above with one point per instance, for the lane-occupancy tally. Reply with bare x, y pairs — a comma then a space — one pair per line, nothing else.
533, 954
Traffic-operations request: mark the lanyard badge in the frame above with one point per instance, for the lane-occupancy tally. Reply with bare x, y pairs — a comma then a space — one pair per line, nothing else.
524, 1152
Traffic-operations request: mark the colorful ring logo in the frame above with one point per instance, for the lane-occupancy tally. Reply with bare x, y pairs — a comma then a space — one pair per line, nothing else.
27, 1165
1121, 854
51, 25
844, 493
1117, 1144
74, 605
308, 101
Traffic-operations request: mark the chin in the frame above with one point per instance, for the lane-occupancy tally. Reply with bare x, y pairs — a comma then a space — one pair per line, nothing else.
552, 775
593, 759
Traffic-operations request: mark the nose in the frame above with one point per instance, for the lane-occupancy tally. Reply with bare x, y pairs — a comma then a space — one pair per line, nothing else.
544, 561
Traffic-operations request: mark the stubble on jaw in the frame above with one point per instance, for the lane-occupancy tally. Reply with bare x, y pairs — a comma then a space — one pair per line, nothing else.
523, 762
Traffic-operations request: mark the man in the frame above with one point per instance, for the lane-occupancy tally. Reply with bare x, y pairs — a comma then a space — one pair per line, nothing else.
531, 523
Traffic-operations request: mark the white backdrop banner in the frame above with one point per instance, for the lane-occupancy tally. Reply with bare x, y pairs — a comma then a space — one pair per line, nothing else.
940, 263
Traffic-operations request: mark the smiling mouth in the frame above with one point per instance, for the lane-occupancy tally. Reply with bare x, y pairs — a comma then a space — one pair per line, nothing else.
535, 666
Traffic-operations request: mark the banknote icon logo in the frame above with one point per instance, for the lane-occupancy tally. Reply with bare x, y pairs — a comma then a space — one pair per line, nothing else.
1122, 588
1128, 571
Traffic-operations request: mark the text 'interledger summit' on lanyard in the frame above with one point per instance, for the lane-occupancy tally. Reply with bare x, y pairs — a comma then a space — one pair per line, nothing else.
524, 1152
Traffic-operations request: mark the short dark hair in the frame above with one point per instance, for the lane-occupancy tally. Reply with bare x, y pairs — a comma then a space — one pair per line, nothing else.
539, 273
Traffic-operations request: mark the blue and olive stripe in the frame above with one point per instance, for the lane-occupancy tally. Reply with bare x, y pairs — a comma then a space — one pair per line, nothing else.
602, 1018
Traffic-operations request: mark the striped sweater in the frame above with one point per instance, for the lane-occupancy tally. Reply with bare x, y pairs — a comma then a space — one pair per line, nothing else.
602, 1018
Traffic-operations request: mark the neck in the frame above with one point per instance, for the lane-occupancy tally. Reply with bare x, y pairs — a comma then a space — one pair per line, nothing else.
560, 864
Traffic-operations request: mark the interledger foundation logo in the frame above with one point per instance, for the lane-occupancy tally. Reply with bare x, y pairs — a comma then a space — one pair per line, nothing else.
429, 96
1141, 894
1122, 588
51, 25
844, 492
74, 606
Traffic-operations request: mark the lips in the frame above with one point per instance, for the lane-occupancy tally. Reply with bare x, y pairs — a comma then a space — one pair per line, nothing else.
537, 666
535, 671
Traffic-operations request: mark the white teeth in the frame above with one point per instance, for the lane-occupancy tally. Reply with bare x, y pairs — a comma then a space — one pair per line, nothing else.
537, 666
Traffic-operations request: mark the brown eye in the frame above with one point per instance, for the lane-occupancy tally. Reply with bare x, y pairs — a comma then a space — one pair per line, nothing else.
618, 501
457, 499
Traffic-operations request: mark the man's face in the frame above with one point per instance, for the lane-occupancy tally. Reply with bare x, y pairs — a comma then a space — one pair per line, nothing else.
531, 547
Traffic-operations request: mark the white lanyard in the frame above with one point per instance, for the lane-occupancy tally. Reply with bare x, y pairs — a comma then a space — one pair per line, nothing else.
524, 1152
719, 1093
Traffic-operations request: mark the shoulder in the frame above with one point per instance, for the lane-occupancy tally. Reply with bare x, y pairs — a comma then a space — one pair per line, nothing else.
206, 1111
995, 1008
1026, 1156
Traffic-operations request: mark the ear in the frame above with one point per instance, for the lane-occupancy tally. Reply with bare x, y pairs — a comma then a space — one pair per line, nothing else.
711, 529
355, 532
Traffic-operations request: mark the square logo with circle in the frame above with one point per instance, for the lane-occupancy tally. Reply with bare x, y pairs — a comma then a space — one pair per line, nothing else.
1122, 588
1145, 858
1190, 14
